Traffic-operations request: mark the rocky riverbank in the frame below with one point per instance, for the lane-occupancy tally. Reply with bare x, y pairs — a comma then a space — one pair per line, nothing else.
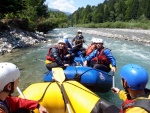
136, 35
17, 38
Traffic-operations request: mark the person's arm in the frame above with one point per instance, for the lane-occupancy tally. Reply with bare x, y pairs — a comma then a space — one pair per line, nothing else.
88, 58
112, 59
83, 39
121, 93
72, 42
92, 55
54, 53
16, 103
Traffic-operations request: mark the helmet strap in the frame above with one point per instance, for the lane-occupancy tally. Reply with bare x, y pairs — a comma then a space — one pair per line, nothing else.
127, 92
126, 89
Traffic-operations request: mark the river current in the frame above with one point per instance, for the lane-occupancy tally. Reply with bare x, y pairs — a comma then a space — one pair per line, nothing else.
32, 70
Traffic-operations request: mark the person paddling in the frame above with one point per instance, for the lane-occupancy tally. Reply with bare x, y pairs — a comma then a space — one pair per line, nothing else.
136, 97
58, 55
101, 58
9, 78
77, 43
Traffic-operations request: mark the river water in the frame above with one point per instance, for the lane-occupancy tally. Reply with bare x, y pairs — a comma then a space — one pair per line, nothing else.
124, 51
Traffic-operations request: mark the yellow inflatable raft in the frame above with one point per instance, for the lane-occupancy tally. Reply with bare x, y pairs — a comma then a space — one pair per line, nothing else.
80, 99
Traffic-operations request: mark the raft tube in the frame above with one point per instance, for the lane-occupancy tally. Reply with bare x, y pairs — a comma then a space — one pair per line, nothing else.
94, 79
80, 99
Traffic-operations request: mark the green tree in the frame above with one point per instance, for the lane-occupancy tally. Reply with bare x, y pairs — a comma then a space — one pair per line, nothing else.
106, 13
120, 10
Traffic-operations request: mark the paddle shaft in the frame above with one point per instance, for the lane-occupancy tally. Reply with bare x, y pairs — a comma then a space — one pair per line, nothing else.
58, 74
113, 84
86, 44
76, 45
65, 98
40, 60
19, 91
22, 95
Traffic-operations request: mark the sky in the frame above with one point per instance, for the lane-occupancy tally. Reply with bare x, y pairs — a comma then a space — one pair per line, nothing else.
71, 5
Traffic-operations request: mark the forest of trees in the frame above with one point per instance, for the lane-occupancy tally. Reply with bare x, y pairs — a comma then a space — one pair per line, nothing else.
112, 11
40, 18
35, 12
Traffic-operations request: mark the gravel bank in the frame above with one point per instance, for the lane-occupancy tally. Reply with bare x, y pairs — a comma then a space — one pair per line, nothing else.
15, 38
137, 35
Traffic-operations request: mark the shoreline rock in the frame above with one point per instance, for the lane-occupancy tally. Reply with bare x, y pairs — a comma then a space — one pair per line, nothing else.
125, 34
16, 38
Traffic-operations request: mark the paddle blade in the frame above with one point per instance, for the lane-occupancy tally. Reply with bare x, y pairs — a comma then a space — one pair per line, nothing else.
58, 74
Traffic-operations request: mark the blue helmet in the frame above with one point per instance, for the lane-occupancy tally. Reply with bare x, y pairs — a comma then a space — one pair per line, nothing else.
135, 75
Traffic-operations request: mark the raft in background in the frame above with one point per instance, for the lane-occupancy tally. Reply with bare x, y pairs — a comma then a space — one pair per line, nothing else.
94, 79
81, 99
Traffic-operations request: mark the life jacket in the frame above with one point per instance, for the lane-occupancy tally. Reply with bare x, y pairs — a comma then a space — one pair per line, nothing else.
4, 106
143, 103
61, 54
90, 49
78, 41
48, 56
101, 58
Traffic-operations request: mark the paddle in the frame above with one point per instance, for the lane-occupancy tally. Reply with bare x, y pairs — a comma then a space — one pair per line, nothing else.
76, 45
80, 54
59, 76
19, 91
113, 77
113, 85
40, 60
22, 95
85, 44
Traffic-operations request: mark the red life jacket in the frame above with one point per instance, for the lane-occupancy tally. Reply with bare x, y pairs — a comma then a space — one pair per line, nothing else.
48, 56
11, 104
61, 54
101, 58
90, 49
127, 104
143, 103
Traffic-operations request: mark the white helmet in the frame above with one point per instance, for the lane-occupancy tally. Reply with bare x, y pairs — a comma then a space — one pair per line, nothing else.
65, 36
94, 40
99, 40
8, 73
79, 31
61, 41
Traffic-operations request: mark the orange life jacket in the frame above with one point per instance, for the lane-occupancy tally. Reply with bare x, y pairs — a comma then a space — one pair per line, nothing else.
101, 58
61, 54
90, 49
